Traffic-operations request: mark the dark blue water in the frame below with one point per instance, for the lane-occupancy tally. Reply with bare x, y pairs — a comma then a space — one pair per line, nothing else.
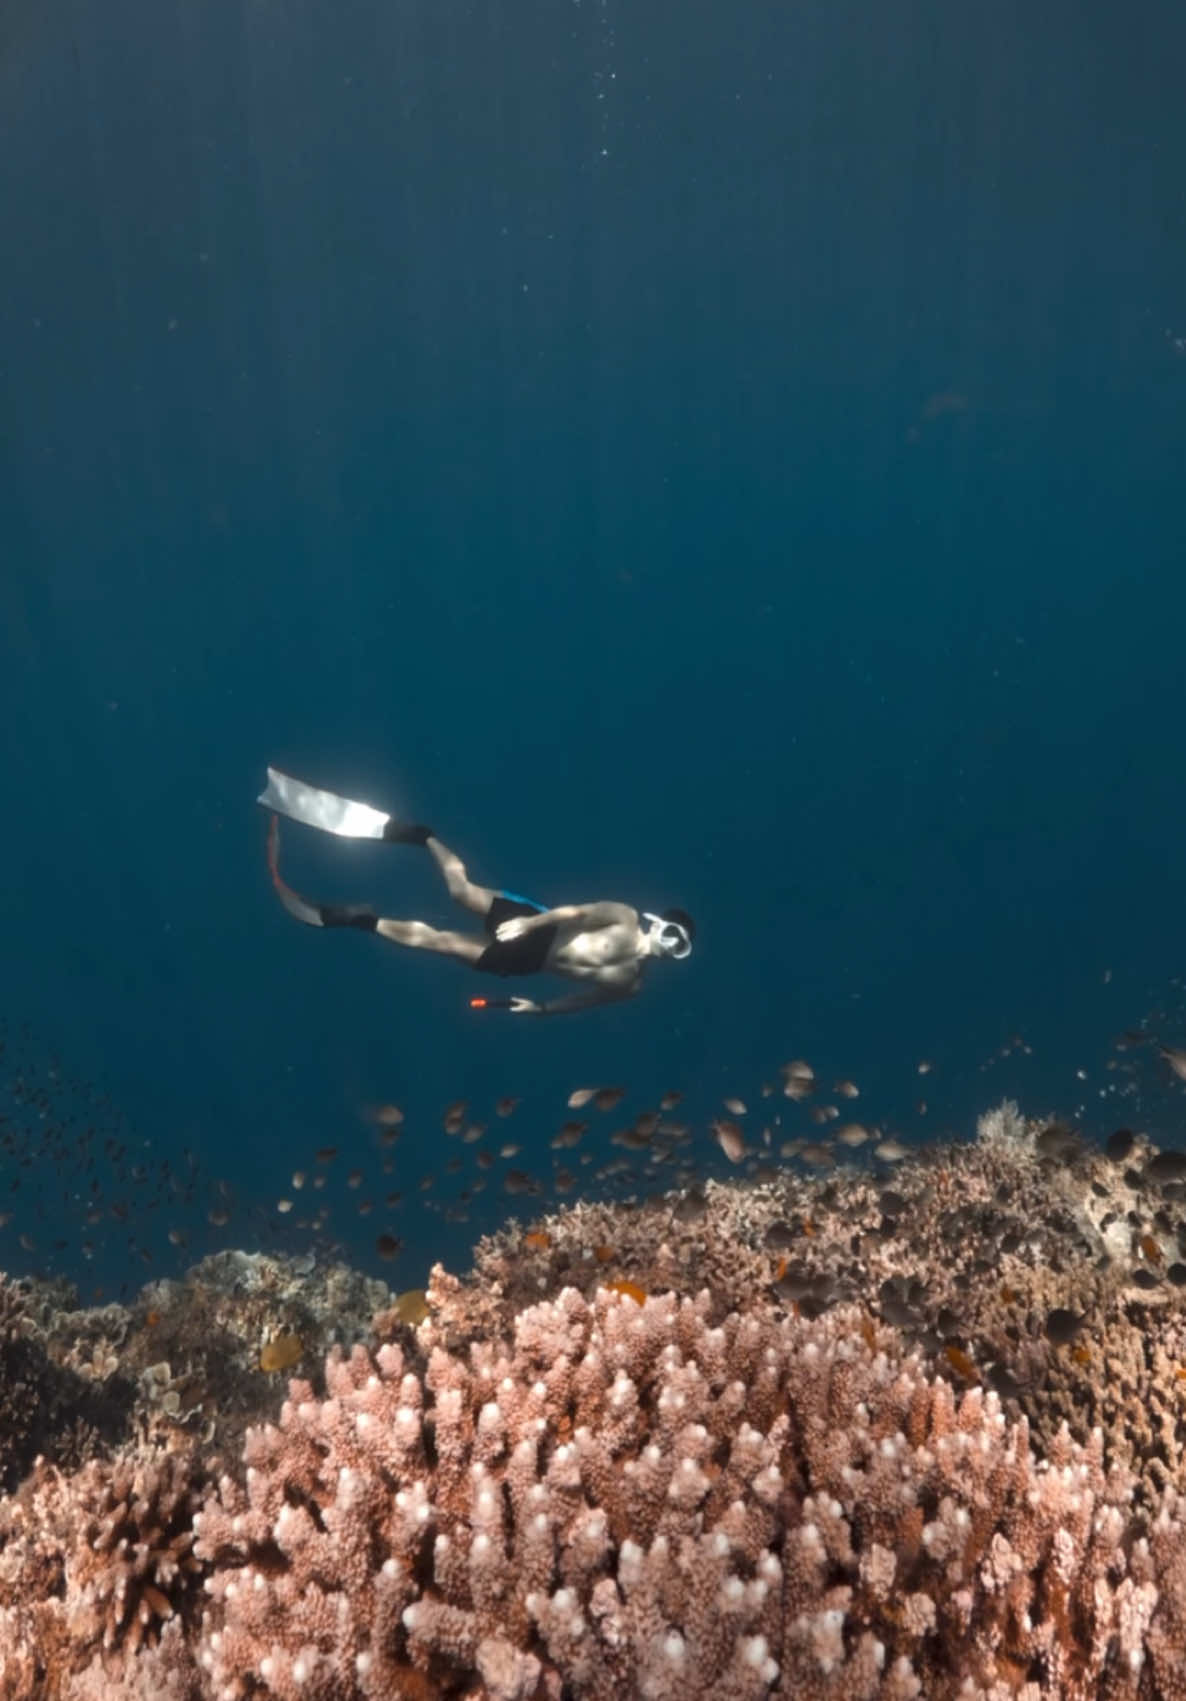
731, 459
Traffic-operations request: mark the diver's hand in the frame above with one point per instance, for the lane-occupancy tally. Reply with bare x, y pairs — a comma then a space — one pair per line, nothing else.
515, 928
526, 1007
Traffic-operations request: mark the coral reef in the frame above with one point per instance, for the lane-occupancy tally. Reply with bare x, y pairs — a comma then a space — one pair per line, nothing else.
969, 1250
631, 1500
97, 1570
47, 1409
880, 1437
189, 1354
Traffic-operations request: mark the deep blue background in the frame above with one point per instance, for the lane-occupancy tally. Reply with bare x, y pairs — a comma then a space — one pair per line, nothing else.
525, 417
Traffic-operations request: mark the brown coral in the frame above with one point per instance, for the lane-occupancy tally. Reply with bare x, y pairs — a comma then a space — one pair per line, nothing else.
93, 1566
46, 1408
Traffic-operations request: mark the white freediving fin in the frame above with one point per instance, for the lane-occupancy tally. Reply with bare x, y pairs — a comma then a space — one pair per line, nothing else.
323, 809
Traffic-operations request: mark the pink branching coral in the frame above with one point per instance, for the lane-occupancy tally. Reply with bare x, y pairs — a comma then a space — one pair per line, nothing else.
757, 1484
625, 1501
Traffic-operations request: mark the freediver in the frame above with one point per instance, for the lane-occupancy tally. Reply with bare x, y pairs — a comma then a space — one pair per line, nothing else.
605, 945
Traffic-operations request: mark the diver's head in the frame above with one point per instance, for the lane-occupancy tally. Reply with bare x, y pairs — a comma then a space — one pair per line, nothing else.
670, 934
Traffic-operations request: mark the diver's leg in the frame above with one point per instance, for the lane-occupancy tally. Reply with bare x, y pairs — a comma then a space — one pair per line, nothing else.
333, 814
417, 934
421, 937
461, 888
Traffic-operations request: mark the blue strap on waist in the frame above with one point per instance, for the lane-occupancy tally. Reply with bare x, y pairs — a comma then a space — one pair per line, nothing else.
517, 898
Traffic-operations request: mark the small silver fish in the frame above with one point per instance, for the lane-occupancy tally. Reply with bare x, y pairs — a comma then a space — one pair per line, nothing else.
729, 1138
796, 1087
852, 1134
516, 1181
606, 1098
1175, 1056
569, 1135
817, 1155
798, 1070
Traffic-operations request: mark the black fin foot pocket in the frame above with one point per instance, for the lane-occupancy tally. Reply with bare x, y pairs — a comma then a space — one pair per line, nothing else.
349, 915
406, 833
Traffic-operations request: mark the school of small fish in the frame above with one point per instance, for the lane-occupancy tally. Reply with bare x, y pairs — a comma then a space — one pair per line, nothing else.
116, 1194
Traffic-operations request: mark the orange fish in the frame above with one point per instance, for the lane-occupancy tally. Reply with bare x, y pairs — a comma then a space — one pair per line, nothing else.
959, 1361
281, 1353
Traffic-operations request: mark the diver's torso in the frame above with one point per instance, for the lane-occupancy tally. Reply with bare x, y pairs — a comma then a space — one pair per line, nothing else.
610, 954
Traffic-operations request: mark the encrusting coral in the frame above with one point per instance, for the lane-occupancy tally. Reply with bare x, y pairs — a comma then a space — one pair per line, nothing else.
772, 1446
46, 1408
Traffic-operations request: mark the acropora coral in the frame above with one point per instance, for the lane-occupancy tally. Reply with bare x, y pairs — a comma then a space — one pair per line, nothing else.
782, 1438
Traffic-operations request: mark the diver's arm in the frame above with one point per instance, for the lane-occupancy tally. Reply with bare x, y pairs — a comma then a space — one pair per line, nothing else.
575, 918
600, 994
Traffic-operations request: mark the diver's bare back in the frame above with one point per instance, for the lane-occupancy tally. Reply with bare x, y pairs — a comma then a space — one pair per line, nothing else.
603, 944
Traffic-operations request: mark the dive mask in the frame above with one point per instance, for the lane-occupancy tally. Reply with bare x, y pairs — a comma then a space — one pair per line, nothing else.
669, 938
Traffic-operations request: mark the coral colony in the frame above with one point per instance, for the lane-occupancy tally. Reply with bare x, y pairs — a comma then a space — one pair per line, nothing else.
864, 1435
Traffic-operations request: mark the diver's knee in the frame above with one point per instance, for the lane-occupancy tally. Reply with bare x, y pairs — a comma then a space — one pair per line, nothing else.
456, 879
405, 932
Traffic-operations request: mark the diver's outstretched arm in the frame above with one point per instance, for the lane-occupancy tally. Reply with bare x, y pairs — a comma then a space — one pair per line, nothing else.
558, 1006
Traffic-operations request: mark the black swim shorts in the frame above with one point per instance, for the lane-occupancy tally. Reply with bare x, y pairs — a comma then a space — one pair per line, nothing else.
524, 956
